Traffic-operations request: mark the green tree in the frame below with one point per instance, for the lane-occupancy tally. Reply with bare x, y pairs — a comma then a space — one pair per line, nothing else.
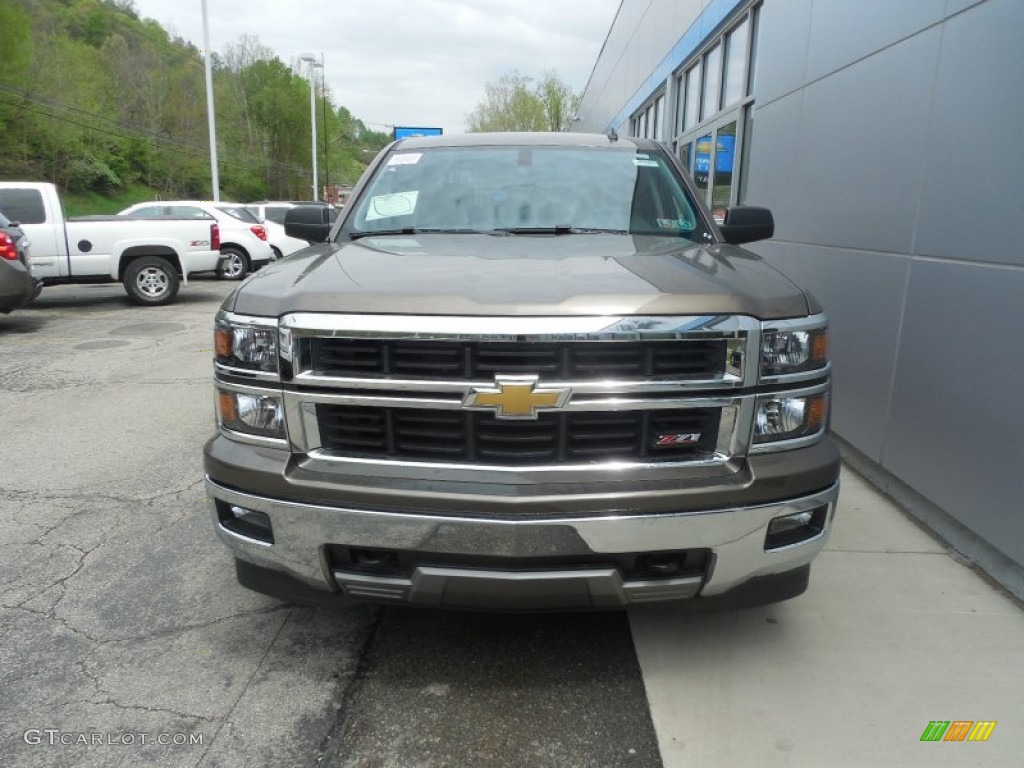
512, 103
102, 102
560, 103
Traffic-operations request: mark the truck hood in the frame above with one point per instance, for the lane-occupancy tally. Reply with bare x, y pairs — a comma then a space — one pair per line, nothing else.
531, 275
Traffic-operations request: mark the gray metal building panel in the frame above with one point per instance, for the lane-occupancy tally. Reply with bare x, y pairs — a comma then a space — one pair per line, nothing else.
887, 141
956, 426
955, 6
843, 32
862, 140
782, 42
642, 35
863, 293
773, 177
972, 194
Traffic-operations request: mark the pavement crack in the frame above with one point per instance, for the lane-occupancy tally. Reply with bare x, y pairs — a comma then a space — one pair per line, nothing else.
11, 586
152, 710
202, 625
78, 496
348, 695
248, 683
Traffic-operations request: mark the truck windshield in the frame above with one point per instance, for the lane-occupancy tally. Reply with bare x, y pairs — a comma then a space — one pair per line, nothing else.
528, 190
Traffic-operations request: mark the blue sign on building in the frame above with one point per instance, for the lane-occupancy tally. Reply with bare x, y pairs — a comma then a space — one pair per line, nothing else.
723, 155
404, 132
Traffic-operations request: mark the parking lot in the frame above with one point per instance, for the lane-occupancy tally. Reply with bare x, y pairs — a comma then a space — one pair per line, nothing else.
125, 640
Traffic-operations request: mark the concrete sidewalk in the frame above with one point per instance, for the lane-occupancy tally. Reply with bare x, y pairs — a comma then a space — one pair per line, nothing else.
894, 632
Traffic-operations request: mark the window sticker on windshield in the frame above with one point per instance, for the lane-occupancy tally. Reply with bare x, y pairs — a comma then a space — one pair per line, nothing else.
645, 163
683, 224
642, 155
405, 158
388, 206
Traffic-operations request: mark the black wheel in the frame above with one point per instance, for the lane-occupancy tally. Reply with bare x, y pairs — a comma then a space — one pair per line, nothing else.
236, 265
151, 280
277, 253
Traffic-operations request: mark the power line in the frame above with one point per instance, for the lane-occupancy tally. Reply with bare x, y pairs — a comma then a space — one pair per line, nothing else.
135, 129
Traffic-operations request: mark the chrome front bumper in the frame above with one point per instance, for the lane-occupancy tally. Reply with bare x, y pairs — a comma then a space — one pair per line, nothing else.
735, 537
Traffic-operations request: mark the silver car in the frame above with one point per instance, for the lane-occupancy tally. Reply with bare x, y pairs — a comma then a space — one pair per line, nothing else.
18, 285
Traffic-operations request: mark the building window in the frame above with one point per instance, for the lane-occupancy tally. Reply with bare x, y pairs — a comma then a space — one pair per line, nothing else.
737, 43
714, 88
684, 155
712, 82
648, 122
692, 97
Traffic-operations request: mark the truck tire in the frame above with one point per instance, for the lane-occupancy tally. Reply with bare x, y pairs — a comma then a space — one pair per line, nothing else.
151, 281
236, 266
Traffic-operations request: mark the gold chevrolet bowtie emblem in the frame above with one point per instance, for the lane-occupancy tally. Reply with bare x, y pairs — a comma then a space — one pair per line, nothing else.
516, 397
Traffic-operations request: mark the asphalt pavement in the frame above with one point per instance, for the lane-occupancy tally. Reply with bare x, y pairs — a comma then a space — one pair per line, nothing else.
126, 641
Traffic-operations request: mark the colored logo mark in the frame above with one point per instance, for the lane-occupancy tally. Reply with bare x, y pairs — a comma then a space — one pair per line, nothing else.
958, 730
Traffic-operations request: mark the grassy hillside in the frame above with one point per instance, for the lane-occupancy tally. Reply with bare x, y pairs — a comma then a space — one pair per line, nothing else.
89, 202
112, 109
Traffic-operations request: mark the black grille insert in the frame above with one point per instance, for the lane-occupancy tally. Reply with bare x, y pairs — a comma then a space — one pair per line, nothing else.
420, 434
633, 565
474, 360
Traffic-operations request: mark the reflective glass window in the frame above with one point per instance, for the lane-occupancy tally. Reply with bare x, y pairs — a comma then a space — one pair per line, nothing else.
736, 45
691, 115
712, 81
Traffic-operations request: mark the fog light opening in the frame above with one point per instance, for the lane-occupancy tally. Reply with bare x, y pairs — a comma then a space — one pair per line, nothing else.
245, 522
798, 527
377, 561
659, 566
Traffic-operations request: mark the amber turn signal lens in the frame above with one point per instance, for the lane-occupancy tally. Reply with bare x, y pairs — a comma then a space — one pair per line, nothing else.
222, 343
227, 405
815, 411
819, 347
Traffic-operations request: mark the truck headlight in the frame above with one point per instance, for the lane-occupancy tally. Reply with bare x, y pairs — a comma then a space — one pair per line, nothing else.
793, 351
251, 414
248, 343
783, 417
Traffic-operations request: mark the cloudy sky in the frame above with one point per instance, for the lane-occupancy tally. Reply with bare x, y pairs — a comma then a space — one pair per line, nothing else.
407, 62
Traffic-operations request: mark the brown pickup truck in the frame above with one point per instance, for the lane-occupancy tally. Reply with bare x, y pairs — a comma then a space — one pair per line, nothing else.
523, 371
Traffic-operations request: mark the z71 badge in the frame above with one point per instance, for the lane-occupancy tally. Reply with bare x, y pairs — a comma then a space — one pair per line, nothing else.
686, 438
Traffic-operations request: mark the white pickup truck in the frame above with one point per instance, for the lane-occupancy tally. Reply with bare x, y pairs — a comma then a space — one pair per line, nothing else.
151, 257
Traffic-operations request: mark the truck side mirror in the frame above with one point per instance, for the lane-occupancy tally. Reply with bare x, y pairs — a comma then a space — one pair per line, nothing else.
747, 223
311, 223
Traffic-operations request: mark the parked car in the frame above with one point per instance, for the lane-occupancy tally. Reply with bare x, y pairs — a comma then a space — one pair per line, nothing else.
18, 285
151, 259
243, 239
271, 213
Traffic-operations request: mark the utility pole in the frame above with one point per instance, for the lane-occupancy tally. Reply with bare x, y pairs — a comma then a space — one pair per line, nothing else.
323, 94
210, 118
313, 63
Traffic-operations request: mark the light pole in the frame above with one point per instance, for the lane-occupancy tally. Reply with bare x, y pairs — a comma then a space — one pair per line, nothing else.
313, 63
323, 124
211, 120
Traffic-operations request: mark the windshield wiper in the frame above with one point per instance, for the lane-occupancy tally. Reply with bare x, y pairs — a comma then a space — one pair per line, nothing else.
558, 229
419, 231
381, 232
453, 231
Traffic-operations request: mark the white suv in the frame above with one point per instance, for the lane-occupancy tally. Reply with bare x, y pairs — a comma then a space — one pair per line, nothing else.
243, 239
